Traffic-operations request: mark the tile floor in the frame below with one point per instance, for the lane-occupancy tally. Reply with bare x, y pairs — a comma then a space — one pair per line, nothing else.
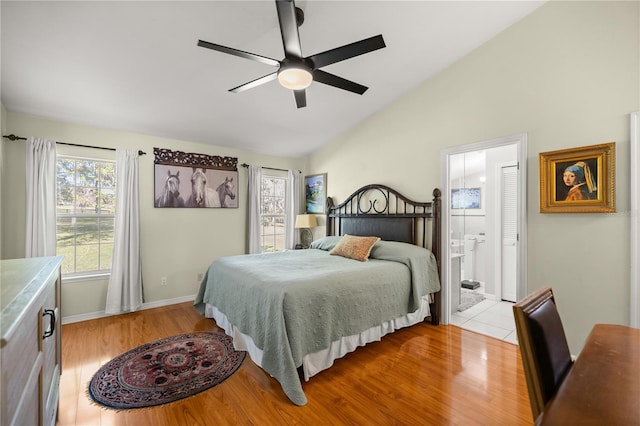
489, 317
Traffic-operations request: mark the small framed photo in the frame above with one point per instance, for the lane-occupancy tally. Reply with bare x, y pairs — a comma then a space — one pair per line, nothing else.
578, 180
315, 193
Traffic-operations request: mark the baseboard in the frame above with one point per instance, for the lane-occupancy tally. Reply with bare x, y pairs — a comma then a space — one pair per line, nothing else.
101, 314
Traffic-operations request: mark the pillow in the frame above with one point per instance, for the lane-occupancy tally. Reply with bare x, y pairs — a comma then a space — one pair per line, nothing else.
353, 247
325, 243
384, 249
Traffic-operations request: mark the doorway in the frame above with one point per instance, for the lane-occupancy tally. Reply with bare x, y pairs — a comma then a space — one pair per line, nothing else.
484, 217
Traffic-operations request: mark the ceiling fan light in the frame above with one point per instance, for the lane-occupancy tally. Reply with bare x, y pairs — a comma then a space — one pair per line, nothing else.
295, 78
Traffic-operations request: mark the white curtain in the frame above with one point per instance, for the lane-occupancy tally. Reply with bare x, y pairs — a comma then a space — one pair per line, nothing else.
292, 208
41, 198
255, 185
124, 293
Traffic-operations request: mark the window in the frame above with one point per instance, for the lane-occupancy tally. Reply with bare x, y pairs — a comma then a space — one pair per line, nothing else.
85, 215
272, 213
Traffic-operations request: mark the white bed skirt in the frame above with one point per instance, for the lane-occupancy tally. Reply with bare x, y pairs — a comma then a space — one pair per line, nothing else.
314, 363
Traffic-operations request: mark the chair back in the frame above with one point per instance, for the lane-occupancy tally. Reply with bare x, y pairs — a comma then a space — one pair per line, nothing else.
543, 346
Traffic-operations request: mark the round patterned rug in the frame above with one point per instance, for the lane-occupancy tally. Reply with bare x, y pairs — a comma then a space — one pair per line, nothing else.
166, 370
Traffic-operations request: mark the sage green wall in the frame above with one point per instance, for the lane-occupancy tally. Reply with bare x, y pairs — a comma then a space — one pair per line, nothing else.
3, 119
568, 75
176, 243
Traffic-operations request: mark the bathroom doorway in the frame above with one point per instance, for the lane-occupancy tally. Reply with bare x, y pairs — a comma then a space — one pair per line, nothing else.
484, 216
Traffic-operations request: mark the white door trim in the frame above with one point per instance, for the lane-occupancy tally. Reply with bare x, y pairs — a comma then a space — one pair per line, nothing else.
634, 319
445, 183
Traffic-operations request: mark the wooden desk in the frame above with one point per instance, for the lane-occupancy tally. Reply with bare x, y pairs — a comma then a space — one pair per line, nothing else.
603, 386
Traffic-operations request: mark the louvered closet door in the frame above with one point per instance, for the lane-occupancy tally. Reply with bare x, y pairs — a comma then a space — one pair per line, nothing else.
509, 207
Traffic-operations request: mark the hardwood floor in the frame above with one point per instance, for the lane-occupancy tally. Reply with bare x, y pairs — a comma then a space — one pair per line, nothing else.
423, 375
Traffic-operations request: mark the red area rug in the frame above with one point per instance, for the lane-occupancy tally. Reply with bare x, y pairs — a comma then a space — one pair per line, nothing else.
166, 370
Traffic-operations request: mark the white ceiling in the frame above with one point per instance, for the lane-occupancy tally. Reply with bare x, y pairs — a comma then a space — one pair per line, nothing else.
135, 66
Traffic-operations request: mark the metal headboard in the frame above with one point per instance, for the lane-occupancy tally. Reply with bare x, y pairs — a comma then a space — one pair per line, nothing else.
377, 210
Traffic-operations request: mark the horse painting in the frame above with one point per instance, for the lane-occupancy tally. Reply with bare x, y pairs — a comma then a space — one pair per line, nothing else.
201, 194
169, 186
171, 193
224, 190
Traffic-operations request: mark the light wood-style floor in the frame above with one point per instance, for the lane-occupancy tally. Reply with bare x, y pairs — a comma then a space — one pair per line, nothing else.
423, 375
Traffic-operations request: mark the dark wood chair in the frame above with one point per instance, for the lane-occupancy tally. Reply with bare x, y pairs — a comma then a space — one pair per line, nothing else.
543, 346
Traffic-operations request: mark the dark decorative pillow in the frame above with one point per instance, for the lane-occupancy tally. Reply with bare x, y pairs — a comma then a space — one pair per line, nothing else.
354, 247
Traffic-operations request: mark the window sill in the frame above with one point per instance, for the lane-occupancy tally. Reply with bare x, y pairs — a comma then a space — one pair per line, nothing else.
83, 278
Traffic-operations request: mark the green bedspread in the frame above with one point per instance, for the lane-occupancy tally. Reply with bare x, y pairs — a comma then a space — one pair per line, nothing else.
295, 303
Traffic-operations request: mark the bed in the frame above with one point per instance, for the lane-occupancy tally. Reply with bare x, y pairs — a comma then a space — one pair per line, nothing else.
297, 311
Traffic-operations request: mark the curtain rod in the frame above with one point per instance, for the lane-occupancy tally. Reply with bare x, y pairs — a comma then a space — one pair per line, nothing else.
245, 165
13, 137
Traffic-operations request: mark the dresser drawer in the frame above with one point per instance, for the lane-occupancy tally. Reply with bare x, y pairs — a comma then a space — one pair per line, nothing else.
29, 410
21, 354
30, 301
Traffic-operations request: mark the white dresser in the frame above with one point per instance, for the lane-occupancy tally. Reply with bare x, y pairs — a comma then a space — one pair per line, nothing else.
30, 345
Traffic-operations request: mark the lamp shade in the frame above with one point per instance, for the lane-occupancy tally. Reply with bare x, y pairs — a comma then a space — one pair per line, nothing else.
306, 221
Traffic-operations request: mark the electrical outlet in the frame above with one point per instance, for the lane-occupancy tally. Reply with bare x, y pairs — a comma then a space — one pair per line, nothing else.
163, 281
199, 277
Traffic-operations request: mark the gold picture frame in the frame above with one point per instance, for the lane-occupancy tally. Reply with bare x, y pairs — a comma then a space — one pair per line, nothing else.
578, 180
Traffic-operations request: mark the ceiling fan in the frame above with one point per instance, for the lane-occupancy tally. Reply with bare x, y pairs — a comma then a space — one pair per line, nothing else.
296, 72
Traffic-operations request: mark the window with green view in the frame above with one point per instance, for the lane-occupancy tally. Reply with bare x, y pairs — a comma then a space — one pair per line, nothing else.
85, 215
272, 213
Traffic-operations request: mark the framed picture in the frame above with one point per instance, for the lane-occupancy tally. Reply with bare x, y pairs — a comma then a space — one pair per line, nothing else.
578, 180
187, 186
465, 198
315, 193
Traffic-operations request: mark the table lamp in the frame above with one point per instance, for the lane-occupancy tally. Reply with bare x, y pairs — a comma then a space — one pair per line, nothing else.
306, 222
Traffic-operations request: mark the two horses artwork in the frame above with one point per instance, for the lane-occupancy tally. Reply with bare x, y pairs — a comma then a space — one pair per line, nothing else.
201, 194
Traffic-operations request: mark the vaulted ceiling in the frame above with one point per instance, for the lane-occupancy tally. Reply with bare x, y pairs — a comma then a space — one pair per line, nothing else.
136, 66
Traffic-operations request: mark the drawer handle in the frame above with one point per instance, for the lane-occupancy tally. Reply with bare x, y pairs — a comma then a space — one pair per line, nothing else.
52, 323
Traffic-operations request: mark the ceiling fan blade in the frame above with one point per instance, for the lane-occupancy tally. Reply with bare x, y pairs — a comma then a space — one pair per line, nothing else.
301, 98
289, 28
240, 53
347, 51
254, 83
339, 82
